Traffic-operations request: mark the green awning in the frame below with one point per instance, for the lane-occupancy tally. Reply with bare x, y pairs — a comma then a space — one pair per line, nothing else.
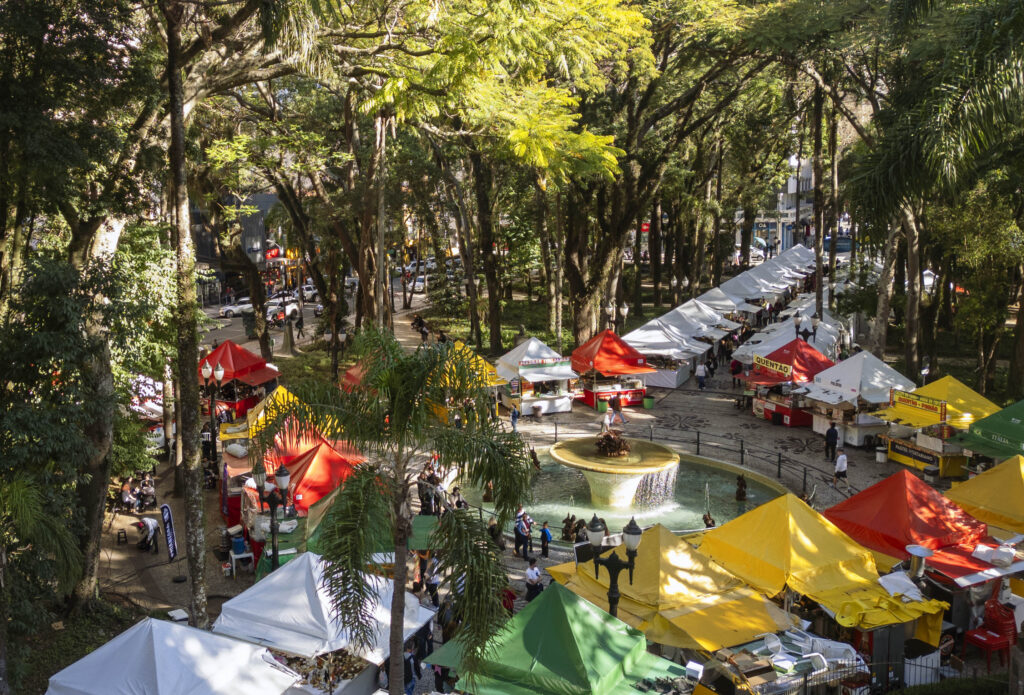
1000, 435
561, 644
985, 447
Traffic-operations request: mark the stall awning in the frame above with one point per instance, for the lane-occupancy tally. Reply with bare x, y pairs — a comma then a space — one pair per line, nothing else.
796, 361
946, 400
234, 359
554, 372
995, 495
1000, 435
260, 376
862, 376
608, 354
534, 361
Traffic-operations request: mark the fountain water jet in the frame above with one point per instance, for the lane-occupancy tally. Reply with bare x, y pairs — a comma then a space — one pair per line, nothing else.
645, 475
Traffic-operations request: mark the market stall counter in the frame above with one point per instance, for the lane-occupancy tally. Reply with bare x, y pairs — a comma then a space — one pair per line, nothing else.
610, 367
775, 377
540, 381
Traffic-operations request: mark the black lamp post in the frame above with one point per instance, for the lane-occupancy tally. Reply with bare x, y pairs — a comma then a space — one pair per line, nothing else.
806, 334
275, 497
610, 311
213, 385
631, 535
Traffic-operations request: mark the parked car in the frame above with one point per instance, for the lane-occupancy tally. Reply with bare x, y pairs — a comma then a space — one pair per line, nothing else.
309, 293
278, 310
240, 306
419, 285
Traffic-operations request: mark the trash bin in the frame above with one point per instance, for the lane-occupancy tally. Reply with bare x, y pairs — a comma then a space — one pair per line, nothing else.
777, 418
602, 406
881, 454
648, 402
537, 410
931, 474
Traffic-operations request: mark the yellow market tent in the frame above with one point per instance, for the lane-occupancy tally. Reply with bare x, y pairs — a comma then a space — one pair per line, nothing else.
479, 366
679, 597
996, 496
786, 544
925, 406
257, 416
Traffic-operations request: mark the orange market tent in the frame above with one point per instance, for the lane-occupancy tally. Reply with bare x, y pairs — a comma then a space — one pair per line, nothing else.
608, 354
786, 544
678, 596
996, 496
318, 472
797, 361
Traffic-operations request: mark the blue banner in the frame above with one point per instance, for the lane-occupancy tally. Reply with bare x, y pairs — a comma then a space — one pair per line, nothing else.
169, 540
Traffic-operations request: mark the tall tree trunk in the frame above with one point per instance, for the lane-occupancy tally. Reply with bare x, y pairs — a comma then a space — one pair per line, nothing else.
258, 295
747, 231
701, 275
880, 326
483, 180
669, 242
544, 236
721, 248
188, 337
819, 201
798, 229
380, 127
912, 232
833, 151
401, 532
638, 292
654, 249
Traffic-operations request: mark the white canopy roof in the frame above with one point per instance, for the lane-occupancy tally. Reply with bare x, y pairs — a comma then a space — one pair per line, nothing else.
861, 376
779, 268
775, 336
800, 252
156, 657
542, 363
720, 301
749, 287
291, 611
705, 314
658, 338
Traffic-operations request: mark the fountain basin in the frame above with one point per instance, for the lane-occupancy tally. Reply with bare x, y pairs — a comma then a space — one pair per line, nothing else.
614, 480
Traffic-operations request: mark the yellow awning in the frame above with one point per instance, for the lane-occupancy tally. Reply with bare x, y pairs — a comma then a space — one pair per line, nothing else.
484, 370
678, 596
786, 544
996, 496
256, 418
963, 406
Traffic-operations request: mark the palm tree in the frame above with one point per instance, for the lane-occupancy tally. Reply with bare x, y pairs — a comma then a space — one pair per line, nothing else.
26, 526
396, 417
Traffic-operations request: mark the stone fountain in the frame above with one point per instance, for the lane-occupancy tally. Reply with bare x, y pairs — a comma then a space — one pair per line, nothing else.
621, 471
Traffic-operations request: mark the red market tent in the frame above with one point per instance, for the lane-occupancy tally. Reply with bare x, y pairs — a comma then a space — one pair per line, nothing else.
238, 363
797, 361
903, 510
609, 355
353, 377
318, 472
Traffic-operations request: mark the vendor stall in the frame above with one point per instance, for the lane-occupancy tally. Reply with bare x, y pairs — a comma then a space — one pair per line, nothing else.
672, 354
773, 379
306, 630
995, 495
540, 381
247, 377
609, 366
848, 392
923, 424
728, 305
998, 436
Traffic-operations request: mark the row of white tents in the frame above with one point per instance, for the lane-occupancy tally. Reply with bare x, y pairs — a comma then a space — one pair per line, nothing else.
289, 610
690, 330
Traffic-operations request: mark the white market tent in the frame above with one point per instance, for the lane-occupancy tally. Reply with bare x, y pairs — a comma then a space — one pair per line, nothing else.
751, 287
779, 268
659, 339
534, 361
156, 657
862, 376
779, 334
701, 312
290, 610
719, 301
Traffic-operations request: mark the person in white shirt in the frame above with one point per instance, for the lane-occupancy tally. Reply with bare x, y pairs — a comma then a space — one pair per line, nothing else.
533, 585
147, 533
840, 471
701, 373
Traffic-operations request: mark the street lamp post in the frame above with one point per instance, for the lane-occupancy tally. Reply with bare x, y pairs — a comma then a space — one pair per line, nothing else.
631, 535
610, 310
275, 497
624, 310
217, 374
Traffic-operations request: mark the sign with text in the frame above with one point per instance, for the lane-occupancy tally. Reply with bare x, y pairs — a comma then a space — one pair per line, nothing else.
169, 540
911, 400
773, 366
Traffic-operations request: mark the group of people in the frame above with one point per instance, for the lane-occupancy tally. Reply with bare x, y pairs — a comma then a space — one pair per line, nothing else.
420, 326
138, 497
614, 411
835, 455
431, 493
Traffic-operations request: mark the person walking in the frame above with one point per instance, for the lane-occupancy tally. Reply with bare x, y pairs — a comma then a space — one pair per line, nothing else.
831, 442
513, 417
607, 419
412, 668
701, 372
616, 407
710, 366
432, 580
522, 530
545, 538
840, 471
736, 368
300, 324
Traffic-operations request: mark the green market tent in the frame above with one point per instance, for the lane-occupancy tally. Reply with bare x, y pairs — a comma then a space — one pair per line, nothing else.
422, 527
561, 644
999, 435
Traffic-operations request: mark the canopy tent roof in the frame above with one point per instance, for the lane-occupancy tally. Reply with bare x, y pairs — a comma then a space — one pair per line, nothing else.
289, 442
995, 496
679, 597
1000, 435
657, 338
903, 510
560, 644
684, 323
750, 287
534, 361
779, 334
862, 376
157, 657
800, 252
483, 369
607, 354
318, 472
775, 274
291, 610
796, 361
257, 416
784, 543
237, 363
962, 406
701, 312
720, 301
